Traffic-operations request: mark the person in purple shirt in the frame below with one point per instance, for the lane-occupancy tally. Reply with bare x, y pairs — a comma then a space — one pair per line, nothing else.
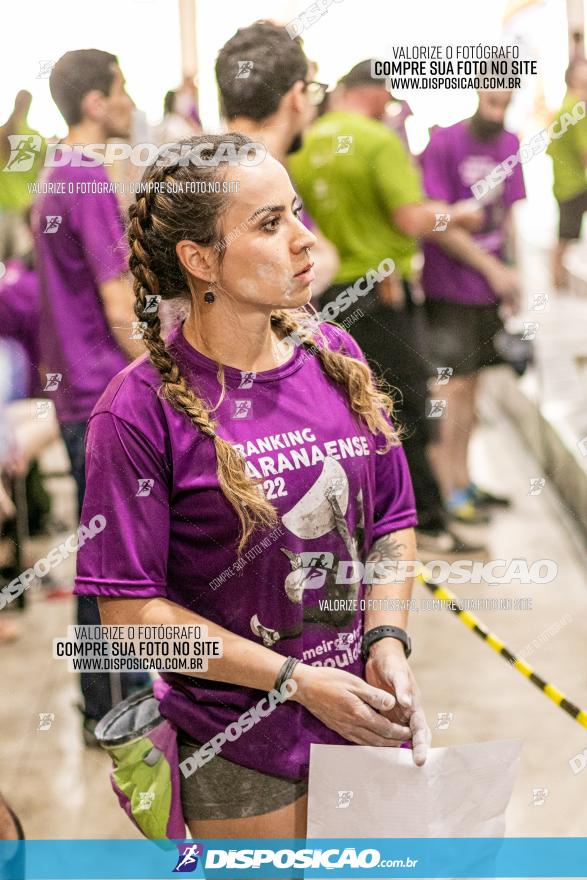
86, 300
465, 303
239, 474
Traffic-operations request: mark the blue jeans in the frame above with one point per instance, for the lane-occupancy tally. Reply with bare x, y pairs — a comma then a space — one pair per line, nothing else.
100, 690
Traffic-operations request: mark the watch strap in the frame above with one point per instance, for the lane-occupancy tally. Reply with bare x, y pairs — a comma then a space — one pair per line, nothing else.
385, 632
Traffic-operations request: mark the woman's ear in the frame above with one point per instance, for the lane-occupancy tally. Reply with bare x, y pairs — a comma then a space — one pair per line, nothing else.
196, 260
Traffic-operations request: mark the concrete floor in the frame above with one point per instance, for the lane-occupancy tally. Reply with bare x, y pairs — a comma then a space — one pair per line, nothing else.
61, 789
489, 699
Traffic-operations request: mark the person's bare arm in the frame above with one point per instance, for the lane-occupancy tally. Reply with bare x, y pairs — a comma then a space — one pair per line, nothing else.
243, 662
387, 666
387, 555
118, 301
342, 701
458, 243
418, 219
422, 218
511, 300
511, 240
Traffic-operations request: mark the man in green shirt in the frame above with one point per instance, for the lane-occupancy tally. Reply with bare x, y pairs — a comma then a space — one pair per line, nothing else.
569, 157
343, 176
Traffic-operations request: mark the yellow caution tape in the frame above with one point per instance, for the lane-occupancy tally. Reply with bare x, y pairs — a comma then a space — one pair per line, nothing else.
553, 693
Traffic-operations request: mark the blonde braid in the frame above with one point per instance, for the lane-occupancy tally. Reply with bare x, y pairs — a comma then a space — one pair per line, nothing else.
368, 401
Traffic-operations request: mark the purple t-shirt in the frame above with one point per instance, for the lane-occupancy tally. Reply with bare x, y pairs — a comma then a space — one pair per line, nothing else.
170, 532
19, 316
452, 162
77, 253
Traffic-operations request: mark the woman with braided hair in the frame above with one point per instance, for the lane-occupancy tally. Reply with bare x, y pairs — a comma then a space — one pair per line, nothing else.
226, 445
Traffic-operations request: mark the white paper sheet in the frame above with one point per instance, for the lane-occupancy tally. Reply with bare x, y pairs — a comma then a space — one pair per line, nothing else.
362, 791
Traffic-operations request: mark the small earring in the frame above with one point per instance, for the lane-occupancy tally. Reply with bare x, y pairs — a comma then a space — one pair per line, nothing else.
209, 296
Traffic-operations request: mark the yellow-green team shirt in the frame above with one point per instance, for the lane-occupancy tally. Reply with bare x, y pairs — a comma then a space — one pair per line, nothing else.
352, 174
568, 154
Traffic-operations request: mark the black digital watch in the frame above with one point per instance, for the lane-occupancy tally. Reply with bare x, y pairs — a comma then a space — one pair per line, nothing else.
385, 632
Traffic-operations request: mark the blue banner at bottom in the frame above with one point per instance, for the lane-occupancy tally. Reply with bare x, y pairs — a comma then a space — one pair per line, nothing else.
317, 858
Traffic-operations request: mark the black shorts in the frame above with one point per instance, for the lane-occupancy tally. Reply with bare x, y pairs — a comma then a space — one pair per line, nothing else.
571, 217
461, 336
221, 789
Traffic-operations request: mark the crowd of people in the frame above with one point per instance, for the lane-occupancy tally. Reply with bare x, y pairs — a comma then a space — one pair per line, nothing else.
217, 369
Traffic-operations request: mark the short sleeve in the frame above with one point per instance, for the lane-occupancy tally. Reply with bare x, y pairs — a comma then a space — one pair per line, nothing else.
127, 484
396, 175
436, 171
395, 505
100, 230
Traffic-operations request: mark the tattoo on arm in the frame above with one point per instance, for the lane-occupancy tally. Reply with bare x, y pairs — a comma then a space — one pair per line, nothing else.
384, 550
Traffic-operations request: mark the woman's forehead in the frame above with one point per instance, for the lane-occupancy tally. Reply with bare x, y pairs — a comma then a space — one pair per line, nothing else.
259, 185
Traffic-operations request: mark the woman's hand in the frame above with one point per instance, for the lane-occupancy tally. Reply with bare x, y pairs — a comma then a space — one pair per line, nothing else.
348, 705
387, 669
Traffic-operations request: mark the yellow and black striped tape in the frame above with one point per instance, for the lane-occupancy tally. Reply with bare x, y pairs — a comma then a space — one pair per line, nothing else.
498, 646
